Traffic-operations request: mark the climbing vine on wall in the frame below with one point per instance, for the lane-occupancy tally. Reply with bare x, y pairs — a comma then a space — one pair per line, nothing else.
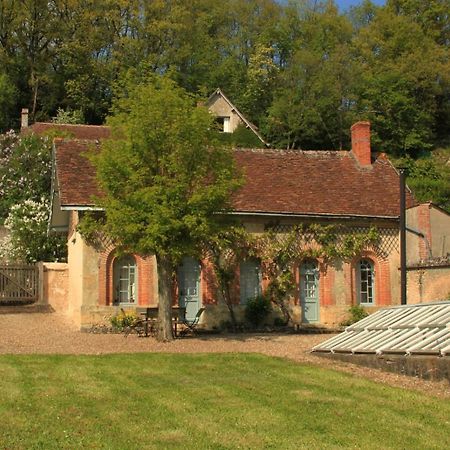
280, 253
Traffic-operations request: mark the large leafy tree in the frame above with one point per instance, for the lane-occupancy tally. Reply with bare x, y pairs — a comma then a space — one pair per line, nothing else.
314, 102
165, 177
405, 73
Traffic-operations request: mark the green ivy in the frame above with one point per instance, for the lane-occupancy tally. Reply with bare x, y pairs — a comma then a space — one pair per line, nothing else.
281, 253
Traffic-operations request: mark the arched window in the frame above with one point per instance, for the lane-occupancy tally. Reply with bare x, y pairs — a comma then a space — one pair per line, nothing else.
125, 280
249, 279
366, 282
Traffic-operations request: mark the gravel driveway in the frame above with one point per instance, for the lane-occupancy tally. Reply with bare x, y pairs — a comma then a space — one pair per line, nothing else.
50, 333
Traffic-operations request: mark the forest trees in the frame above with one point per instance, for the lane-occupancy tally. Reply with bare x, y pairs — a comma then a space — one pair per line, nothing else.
301, 70
165, 176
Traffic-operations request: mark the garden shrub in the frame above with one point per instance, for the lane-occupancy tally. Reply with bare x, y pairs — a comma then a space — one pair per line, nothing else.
357, 313
257, 309
279, 322
123, 320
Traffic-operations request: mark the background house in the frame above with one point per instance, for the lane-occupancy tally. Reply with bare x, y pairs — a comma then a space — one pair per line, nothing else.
228, 117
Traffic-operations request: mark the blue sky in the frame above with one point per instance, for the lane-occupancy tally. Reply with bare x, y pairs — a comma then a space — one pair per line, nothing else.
344, 4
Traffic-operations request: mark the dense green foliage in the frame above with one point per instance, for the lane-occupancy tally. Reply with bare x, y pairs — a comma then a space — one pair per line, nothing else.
257, 309
429, 177
356, 313
301, 70
25, 170
25, 177
172, 401
165, 174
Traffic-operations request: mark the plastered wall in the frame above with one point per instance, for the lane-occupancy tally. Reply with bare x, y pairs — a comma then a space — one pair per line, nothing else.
54, 285
428, 284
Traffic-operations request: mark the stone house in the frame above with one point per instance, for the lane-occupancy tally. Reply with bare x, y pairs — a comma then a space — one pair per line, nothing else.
282, 188
354, 189
228, 117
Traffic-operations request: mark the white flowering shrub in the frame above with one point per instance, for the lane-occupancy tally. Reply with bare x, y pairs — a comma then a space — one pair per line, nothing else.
25, 179
6, 250
25, 169
28, 240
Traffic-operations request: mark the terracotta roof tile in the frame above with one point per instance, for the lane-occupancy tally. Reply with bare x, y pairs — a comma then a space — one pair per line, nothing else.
276, 181
90, 132
316, 182
75, 173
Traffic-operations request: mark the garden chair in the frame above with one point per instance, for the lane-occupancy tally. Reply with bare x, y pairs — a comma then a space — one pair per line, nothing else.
146, 326
138, 327
191, 325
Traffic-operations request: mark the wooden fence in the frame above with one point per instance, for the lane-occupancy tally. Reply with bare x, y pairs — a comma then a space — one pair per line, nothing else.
19, 284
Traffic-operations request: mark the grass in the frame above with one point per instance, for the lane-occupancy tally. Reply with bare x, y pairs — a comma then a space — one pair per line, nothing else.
206, 402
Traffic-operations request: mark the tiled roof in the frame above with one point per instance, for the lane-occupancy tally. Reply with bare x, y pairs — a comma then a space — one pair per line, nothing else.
316, 182
276, 181
90, 132
75, 173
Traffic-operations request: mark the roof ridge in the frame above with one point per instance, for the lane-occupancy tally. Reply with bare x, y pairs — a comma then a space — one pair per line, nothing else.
71, 124
68, 140
291, 150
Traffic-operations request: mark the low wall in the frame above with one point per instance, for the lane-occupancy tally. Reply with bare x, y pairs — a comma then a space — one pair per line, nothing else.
426, 367
54, 285
428, 283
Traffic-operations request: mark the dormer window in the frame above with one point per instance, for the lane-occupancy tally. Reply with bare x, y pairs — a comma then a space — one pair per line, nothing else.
223, 124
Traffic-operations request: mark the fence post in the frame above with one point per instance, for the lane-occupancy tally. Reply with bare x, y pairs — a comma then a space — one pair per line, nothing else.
41, 300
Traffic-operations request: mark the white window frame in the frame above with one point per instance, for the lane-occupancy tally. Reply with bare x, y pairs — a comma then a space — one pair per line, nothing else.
366, 275
125, 270
226, 125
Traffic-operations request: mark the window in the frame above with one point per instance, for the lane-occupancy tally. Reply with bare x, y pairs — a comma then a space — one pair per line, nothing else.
223, 124
366, 275
250, 280
125, 280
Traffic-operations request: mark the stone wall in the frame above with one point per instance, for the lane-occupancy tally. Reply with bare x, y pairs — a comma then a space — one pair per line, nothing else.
221, 108
428, 283
54, 285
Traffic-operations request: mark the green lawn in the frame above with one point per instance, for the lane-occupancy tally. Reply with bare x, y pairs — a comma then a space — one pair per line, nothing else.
206, 401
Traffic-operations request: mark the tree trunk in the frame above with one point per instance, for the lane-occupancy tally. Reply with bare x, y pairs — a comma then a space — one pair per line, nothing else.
227, 296
34, 87
165, 271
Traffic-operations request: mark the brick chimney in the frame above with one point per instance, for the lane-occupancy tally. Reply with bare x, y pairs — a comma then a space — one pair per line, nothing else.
24, 119
361, 142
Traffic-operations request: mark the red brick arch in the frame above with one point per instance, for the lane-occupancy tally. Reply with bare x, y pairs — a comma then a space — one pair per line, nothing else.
145, 278
382, 278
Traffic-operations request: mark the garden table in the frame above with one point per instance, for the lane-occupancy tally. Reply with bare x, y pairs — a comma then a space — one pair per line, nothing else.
150, 319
